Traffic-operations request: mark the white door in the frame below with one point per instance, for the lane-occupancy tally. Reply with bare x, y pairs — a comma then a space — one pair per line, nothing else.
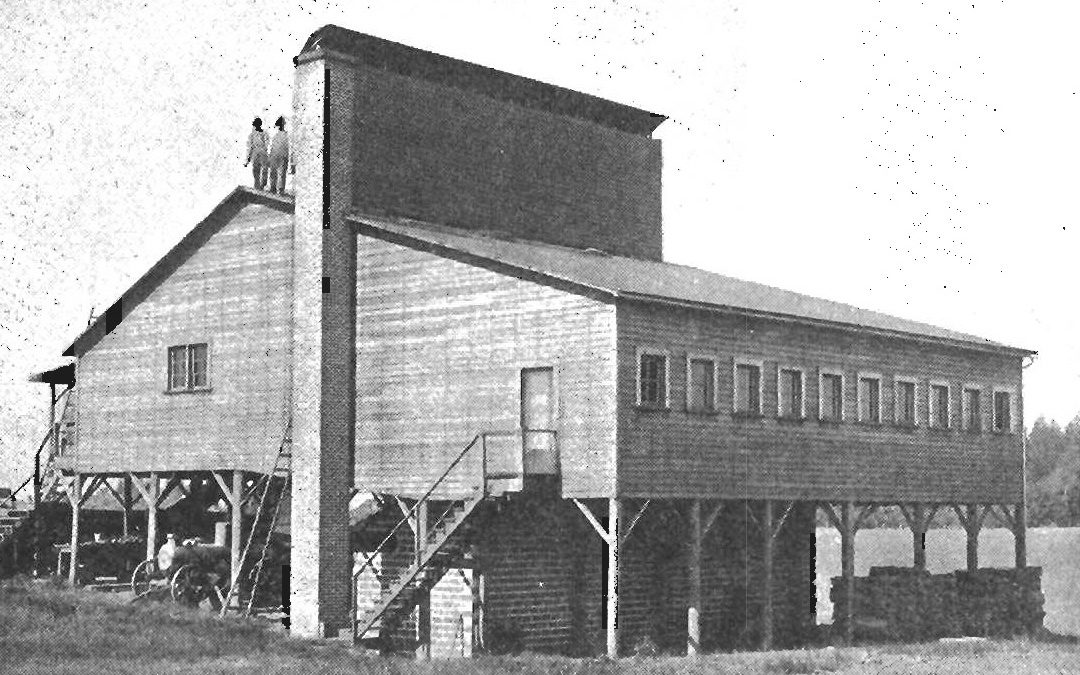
538, 421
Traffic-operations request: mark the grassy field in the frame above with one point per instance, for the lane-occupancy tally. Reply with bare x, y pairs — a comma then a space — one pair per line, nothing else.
1056, 550
46, 628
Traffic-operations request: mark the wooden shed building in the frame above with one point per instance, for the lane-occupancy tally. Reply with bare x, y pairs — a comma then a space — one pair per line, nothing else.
464, 310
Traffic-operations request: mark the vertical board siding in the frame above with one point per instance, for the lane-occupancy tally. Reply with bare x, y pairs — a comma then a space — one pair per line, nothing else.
676, 453
440, 348
235, 293
440, 154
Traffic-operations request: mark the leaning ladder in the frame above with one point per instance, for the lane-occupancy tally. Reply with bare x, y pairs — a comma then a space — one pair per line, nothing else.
283, 470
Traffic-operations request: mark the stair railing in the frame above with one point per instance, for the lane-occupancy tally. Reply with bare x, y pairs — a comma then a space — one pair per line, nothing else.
35, 477
369, 560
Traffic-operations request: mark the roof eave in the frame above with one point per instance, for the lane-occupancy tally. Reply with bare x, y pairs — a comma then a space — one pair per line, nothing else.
238, 194
365, 226
987, 346
336, 42
368, 226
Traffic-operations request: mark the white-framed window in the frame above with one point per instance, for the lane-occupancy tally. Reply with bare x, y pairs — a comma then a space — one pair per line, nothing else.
868, 396
747, 379
905, 401
1004, 409
702, 378
971, 408
940, 408
831, 396
790, 393
188, 367
653, 378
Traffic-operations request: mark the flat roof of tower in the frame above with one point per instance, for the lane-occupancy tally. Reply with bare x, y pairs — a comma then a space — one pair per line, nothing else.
417, 63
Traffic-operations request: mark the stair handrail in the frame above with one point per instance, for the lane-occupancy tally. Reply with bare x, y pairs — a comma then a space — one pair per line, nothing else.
34, 476
369, 560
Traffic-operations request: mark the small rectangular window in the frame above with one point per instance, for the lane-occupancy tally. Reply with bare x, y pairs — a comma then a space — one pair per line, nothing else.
831, 397
748, 389
939, 405
652, 379
870, 399
188, 367
905, 403
1002, 411
198, 365
178, 368
791, 394
701, 384
972, 409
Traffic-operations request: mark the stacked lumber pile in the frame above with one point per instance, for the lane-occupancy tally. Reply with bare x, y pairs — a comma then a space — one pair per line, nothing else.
1001, 602
907, 605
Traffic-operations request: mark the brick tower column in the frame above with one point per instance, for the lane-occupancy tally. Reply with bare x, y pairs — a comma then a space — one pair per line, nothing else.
324, 332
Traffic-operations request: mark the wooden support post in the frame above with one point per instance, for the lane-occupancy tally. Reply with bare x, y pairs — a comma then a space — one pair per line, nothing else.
152, 498
614, 530
972, 527
423, 605
693, 611
1020, 534
75, 496
767, 585
126, 494
847, 567
236, 499
918, 532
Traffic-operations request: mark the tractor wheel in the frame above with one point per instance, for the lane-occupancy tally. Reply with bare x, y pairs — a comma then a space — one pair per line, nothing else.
142, 578
188, 586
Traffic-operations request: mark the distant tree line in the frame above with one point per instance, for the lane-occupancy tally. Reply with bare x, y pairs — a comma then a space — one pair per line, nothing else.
1053, 473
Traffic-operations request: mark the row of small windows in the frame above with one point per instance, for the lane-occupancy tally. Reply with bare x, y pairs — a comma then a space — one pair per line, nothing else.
703, 379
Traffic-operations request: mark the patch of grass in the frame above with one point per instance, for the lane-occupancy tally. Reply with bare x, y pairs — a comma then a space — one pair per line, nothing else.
48, 628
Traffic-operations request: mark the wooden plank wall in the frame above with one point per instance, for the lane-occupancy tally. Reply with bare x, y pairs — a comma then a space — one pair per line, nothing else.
440, 348
234, 292
676, 453
443, 155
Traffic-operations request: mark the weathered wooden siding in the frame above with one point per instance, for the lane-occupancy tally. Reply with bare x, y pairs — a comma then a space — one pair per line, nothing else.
676, 453
440, 154
440, 348
233, 292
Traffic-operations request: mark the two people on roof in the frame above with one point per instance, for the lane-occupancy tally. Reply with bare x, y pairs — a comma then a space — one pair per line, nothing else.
268, 158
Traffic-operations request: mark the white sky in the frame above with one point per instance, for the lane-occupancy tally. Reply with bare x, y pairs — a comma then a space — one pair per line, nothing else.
916, 158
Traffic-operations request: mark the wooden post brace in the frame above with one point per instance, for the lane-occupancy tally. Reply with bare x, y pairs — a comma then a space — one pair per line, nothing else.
600, 529
409, 514
226, 491
971, 517
633, 522
90, 488
778, 524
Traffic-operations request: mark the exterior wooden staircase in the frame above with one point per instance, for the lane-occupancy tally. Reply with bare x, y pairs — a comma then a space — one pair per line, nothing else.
442, 547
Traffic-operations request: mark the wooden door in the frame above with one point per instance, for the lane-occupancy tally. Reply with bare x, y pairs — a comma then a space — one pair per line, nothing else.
538, 421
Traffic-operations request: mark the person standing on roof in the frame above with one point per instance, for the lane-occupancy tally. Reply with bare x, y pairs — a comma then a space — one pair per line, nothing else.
257, 156
279, 158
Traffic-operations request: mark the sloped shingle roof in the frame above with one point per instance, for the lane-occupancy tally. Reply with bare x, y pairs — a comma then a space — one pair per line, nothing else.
649, 280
